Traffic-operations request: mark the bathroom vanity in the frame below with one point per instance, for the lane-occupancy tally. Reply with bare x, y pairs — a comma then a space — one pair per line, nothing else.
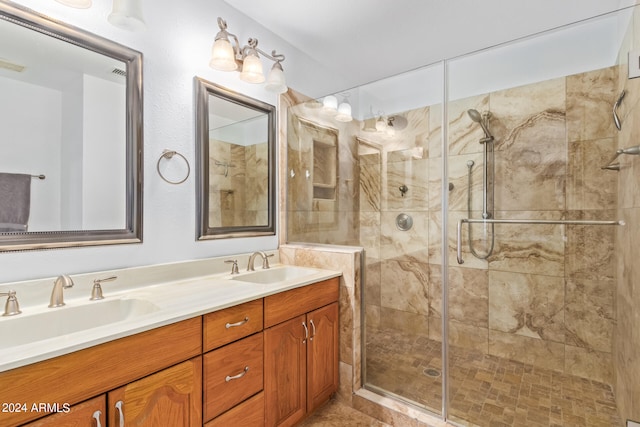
266, 355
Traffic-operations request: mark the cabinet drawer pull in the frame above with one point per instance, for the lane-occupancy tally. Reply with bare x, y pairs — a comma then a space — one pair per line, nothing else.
240, 375
313, 327
119, 404
97, 415
240, 323
306, 332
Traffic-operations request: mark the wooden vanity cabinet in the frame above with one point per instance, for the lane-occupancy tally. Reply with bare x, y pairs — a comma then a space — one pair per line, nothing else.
217, 370
301, 352
92, 413
171, 397
233, 370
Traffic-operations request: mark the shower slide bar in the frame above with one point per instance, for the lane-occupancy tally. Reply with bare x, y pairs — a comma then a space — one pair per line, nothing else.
522, 221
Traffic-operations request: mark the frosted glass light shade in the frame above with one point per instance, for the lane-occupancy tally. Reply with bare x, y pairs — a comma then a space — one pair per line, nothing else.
275, 81
344, 112
330, 103
223, 56
252, 69
78, 4
127, 14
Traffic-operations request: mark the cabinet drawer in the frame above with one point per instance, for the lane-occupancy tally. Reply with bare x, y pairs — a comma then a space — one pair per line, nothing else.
293, 303
232, 374
231, 324
247, 414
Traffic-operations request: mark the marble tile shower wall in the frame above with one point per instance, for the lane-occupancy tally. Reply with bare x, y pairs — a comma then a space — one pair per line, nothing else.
235, 188
626, 348
330, 218
546, 295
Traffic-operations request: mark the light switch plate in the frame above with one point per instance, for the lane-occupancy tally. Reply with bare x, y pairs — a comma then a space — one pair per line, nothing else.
632, 424
634, 71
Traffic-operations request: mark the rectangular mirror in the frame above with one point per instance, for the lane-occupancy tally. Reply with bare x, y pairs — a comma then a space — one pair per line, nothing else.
71, 115
236, 164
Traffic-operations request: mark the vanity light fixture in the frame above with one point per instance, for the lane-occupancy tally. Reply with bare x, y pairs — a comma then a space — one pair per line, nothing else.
341, 112
125, 14
229, 56
344, 112
330, 104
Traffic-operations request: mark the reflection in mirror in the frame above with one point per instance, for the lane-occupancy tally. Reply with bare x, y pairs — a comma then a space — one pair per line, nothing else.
71, 114
236, 150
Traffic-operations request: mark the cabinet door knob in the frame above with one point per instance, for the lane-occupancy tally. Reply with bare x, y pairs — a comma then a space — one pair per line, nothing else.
119, 404
306, 333
240, 375
97, 415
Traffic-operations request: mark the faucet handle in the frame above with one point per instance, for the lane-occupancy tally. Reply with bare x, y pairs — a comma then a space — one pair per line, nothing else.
265, 261
234, 267
11, 307
96, 292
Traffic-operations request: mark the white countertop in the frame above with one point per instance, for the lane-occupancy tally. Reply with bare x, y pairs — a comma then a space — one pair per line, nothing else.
176, 299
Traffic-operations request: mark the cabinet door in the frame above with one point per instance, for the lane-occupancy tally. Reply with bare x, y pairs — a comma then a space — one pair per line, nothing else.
91, 413
171, 397
322, 355
285, 379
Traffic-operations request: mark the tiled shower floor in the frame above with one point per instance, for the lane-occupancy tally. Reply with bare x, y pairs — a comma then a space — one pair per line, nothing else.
486, 390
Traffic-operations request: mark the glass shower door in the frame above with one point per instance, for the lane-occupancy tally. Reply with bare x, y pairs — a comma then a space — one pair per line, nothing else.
530, 279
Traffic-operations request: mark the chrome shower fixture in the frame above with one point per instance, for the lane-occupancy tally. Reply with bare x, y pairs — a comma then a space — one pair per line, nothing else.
483, 121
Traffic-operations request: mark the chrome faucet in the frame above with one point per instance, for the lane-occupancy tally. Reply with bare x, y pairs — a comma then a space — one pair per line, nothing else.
57, 295
11, 307
265, 260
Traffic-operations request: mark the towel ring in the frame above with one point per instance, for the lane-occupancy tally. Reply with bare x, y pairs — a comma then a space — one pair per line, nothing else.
168, 154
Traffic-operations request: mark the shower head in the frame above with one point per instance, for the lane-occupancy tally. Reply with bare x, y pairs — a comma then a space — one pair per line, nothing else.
482, 121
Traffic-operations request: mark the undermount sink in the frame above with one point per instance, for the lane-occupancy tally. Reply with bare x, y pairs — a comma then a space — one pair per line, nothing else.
275, 274
57, 322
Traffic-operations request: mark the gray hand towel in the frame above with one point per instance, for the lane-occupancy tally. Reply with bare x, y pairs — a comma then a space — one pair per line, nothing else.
15, 201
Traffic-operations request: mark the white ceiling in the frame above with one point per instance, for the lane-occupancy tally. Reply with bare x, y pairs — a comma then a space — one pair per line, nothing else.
367, 40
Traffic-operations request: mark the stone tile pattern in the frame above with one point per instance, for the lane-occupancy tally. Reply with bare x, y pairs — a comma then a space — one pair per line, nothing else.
546, 296
488, 390
626, 347
240, 197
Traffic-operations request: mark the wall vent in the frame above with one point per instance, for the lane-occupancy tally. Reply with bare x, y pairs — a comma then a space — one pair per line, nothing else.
119, 72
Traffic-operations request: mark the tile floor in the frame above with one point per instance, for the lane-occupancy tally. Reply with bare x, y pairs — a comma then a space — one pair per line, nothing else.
487, 390
336, 414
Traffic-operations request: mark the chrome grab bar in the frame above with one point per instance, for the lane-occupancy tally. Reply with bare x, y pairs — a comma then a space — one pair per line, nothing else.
522, 221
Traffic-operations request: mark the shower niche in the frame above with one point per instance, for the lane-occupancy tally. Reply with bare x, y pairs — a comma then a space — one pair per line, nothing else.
325, 159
